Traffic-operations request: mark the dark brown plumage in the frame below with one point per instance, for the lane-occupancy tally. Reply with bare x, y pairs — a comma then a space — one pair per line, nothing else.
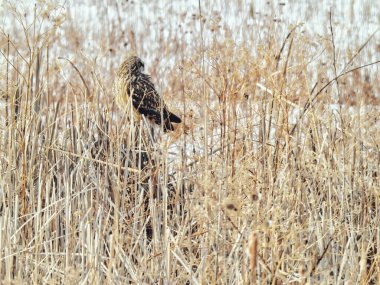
130, 82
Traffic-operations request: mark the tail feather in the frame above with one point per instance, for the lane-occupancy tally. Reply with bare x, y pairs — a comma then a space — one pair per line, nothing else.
168, 126
174, 118
170, 118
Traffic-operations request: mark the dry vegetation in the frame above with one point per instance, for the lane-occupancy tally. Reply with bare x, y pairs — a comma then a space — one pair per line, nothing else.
273, 178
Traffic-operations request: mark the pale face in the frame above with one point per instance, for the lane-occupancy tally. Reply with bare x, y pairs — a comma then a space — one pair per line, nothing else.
140, 65
137, 64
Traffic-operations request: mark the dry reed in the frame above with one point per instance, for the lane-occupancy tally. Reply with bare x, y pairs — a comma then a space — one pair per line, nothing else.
271, 179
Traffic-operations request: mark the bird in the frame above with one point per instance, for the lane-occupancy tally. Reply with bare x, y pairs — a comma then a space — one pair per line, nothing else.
131, 83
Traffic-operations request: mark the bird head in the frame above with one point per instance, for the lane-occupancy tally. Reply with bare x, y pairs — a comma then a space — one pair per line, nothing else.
132, 64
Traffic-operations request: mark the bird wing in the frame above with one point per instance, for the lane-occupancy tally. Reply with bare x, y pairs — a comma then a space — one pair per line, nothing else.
145, 97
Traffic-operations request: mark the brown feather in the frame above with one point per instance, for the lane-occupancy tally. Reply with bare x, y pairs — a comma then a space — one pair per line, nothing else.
130, 82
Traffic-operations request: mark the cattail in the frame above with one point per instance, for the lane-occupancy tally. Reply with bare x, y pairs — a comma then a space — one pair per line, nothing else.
253, 256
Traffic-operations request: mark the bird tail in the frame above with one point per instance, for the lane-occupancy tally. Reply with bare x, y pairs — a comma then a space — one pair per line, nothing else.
170, 118
168, 126
174, 118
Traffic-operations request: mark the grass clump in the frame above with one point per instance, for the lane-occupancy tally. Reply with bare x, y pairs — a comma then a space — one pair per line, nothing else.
271, 179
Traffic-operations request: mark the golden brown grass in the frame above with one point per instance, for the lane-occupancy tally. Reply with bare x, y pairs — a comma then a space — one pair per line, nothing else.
273, 178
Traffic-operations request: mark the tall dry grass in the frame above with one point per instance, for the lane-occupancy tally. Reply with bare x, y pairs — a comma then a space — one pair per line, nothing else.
271, 179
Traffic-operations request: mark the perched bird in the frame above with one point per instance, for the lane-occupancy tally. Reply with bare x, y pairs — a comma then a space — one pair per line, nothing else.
132, 83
